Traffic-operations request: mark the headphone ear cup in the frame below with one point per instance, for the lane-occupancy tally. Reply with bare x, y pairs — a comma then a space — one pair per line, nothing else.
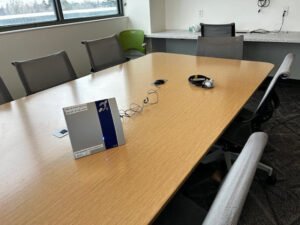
208, 83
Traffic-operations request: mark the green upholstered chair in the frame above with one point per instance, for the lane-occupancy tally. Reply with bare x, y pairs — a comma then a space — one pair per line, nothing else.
132, 42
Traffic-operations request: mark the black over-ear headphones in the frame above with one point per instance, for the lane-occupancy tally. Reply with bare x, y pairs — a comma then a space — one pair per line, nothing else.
201, 81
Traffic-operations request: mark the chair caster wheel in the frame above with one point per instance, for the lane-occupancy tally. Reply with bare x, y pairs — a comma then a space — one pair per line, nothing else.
271, 180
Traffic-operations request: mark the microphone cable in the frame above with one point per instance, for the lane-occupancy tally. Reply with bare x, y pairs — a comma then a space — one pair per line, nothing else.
263, 4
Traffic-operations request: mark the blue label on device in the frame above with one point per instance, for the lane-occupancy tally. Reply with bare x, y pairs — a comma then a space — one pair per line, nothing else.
107, 124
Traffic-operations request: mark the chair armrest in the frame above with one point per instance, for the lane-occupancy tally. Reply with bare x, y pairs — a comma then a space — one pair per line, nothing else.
228, 204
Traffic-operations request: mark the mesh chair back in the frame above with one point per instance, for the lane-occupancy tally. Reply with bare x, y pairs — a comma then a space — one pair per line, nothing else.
4, 93
45, 72
284, 72
221, 47
132, 39
217, 30
104, 53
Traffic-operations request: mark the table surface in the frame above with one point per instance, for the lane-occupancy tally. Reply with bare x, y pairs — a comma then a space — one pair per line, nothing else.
41, 183
282, 37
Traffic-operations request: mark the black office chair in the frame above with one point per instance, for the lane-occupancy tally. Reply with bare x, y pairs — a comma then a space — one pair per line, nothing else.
221, 47
104, 53
228, 204
45, 72
217, 30
4, 93
249, 121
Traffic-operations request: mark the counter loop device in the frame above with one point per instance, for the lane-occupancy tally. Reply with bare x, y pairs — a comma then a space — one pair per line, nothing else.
94, 127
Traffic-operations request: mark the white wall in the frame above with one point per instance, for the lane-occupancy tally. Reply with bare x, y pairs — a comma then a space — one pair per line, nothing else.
147, 15
180, 14
157, 15
36, 43
138, 12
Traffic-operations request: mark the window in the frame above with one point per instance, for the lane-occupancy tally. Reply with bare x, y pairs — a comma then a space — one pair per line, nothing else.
16, 14
88, 8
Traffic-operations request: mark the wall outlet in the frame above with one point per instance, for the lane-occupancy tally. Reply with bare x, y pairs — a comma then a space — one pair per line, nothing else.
287, 10
201, 13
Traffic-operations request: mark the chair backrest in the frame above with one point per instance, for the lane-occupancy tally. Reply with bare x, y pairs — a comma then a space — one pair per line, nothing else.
104, 53
229, 202
217, 30
221, 47
132, 39
4, 93
284, 72
45, 72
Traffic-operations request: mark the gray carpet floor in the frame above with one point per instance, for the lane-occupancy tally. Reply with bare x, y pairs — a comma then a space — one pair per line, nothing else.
266, 204
279, 204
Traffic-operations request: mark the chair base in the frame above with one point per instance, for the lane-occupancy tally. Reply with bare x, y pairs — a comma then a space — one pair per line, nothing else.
217, 153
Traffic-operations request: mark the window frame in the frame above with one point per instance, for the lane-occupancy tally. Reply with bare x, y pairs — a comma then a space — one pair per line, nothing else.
60, 18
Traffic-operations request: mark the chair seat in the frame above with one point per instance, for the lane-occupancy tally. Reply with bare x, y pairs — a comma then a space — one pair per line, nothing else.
253, 102
238, 131
245, 114
181, 211
133, 54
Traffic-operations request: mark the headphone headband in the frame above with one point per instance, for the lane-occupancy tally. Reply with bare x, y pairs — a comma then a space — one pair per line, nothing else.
201, 81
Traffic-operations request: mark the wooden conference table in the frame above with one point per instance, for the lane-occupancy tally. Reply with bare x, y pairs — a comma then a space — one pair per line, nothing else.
41, 183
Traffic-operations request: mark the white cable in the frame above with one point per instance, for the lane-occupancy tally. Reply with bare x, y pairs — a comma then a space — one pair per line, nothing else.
135, 108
